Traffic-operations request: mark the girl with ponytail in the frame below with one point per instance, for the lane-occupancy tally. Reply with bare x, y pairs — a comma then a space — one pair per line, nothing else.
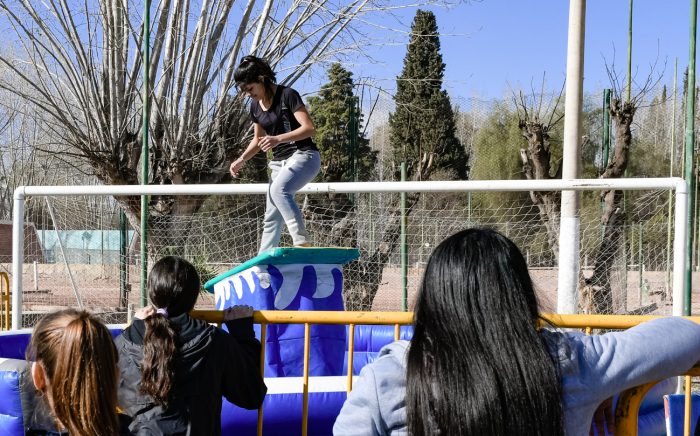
175, 369
477, 365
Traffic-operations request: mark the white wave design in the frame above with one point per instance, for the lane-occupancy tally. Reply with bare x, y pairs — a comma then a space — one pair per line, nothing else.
292, 275
325, 282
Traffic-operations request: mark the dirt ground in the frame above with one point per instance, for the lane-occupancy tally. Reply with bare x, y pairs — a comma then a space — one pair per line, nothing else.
652, 290
98, 289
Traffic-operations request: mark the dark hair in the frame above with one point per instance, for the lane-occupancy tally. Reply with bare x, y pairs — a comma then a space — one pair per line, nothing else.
253, 69
476, 364
79, 360
173, 285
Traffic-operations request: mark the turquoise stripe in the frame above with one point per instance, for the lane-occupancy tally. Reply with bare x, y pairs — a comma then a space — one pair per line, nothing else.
289, 255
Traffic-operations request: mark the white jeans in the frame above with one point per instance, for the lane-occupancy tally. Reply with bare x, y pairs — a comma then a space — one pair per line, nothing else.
287, 177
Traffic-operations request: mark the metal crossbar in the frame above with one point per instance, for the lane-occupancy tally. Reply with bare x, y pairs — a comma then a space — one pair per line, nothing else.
566, 297
627, 410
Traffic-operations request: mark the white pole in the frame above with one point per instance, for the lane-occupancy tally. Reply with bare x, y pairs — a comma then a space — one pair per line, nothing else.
675, 183
679, 240
639, 184
569, 236
17, 257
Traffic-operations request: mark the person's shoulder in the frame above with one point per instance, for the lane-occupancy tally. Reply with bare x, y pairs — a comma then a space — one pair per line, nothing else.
286, 90
288, 93
395, 350
219, 334
391, 357
132, 334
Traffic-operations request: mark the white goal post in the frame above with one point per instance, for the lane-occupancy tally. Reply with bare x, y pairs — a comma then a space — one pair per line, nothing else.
678, 185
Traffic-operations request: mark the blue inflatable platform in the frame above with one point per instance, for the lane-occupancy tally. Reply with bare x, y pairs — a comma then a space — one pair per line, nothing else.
292, 279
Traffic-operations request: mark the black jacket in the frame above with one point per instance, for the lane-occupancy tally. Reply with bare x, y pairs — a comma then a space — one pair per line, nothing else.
210, 363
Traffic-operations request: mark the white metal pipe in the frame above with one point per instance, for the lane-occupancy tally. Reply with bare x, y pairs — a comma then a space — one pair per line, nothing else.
361, 187
675, 183
569, 226
17, 258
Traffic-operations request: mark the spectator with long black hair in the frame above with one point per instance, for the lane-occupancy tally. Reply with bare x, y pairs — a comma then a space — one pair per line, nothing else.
175, 369
478, 365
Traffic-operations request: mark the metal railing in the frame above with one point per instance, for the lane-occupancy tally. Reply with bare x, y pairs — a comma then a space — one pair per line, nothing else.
351, 319
567, 273
5, 300
627, 409
628, 403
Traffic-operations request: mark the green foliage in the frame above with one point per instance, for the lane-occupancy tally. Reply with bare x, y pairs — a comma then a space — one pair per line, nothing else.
496, 156
339, 135
647, 159
424, 123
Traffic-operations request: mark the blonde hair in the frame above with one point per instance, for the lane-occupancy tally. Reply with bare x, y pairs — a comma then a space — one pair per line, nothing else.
79, 359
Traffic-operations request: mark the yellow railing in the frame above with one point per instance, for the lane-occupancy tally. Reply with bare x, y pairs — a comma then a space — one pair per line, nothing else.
265, 317
5, 299
627, 407
627, 410
613, 322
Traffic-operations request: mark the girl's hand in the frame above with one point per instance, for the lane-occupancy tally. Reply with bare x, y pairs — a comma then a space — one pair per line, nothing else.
237, 312
267, 142
144, 312
236, 166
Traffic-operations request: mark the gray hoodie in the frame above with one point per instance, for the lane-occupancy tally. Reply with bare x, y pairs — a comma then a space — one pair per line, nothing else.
593, 369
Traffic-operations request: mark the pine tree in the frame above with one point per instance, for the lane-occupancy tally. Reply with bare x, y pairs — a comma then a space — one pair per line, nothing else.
423, 126
338, 121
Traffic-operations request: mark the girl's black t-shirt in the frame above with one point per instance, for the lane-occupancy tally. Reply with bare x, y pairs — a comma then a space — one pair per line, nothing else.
279, 119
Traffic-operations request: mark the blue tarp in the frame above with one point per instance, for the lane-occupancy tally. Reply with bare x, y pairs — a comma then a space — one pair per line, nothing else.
83, 239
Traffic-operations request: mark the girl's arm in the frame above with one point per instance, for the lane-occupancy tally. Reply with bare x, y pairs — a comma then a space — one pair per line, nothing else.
613, 362
242, 383
305, 130
252, 150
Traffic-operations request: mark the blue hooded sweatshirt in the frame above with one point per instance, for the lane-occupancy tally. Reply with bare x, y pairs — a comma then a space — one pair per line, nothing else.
593, 368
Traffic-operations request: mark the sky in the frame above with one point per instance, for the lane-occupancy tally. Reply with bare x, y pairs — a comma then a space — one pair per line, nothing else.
492, 46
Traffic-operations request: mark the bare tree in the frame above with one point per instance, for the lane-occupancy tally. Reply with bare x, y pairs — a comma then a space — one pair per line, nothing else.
80, 63
21, 163
596, 291
536, 122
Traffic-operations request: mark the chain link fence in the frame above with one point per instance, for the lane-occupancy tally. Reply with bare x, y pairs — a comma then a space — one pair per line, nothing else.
97, 264
80, 261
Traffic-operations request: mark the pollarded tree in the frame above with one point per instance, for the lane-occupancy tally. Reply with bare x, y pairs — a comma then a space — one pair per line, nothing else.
596, 290
80, 63
538, 160
423, 125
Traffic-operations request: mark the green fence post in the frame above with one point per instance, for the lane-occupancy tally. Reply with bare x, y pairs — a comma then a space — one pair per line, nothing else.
404, 248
